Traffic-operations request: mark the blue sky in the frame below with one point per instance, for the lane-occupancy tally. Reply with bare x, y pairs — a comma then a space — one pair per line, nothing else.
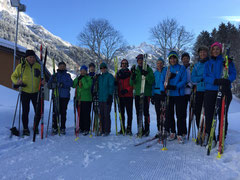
133, 18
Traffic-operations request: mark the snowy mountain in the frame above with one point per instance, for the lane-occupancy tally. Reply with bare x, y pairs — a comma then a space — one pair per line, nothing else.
132, 51
31, 35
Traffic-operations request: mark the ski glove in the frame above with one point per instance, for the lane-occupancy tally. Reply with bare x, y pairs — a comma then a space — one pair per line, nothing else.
133, 76
124, 91
171, 87
37, 72
19, 85
144, 72
133, 69
152, 100
80, 77
60, 85
173, 75
109, 100
222, 82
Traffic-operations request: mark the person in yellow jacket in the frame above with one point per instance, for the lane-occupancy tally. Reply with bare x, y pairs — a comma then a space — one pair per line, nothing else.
28, 76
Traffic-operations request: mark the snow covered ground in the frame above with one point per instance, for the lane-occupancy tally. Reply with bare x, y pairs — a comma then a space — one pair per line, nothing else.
112, 157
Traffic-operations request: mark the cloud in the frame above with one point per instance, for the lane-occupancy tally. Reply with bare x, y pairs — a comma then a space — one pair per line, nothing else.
231, 18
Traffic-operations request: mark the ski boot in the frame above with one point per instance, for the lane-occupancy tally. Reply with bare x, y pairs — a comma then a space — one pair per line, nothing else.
180, 139
85, 133
26, 132
205, 142
171, 137
54, 131
129, 132
63, 131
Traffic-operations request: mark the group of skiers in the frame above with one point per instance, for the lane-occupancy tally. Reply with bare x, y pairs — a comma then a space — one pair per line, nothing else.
169, 88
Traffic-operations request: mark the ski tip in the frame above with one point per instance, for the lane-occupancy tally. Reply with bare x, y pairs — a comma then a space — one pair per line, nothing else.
76, 138
164, 149
219, 155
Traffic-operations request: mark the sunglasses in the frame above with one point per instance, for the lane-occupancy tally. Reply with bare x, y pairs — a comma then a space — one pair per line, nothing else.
124, 63
103, 68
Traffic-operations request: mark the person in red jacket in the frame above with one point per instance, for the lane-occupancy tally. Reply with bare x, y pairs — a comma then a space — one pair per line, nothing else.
125, 94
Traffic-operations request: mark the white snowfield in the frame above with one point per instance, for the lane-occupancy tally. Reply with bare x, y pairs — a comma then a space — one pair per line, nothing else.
112, 157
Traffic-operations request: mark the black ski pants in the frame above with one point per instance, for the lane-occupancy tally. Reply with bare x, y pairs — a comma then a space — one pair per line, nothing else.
63, 103
85, 111
105, 119
198, 106
126, 103
176, 101
25, 99
145, 112
210, 98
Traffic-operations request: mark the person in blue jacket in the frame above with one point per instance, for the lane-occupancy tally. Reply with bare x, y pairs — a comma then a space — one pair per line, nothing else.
197, 79
64, 82
157, 97
105, 93
177, 79
213, 78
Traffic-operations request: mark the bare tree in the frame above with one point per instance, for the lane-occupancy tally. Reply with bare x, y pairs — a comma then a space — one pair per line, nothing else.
168, 35
102, 39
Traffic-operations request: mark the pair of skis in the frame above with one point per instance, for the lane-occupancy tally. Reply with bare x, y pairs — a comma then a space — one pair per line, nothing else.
220, 102
40, 98
162, 134
117, 102
192, 117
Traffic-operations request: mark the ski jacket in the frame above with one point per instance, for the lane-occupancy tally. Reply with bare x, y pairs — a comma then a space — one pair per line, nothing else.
179, 80
123, 82
31, 76
138, 81
66, 82
189, 84
83, 93
213, 70
106, 86
197, 76
157, 82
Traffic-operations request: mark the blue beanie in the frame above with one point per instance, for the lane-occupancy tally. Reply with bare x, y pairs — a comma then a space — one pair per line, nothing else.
161, 59
173, 53
83, 67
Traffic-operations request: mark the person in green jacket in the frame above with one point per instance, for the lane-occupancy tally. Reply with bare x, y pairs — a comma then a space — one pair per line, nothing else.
28, 76
83, 83
135, 81
105, 93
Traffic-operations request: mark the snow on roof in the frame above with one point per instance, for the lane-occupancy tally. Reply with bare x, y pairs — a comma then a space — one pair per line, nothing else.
10, 45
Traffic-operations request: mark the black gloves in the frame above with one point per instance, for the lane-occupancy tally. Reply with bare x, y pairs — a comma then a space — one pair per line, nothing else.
19, 85
222, 82
109, 100
60, 85
80, 77
173, 75
163, 93
152, 100
144, 72
171, 87
133, 76
124, 91
133, 70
